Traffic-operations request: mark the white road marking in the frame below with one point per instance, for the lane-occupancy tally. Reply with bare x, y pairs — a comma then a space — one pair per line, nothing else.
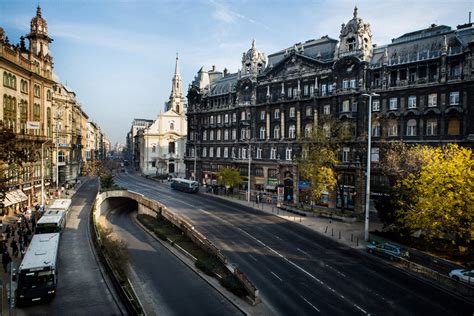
253, 257
335, 270
278, 237
276, 276
302, 251
310, 304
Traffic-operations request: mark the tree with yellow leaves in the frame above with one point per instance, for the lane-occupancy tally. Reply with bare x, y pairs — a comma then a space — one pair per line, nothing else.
438, 200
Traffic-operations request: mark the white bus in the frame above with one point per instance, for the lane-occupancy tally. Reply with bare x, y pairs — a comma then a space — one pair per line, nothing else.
52, 221
60, 204
185, 185
38, 273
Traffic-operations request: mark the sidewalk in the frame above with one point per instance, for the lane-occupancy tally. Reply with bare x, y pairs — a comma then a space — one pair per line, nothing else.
349, 234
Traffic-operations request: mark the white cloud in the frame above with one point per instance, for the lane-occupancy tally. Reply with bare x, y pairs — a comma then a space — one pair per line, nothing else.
223, 13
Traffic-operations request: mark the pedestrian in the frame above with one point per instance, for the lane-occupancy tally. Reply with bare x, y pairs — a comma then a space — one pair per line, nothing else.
6, 259
14, 246
22, 250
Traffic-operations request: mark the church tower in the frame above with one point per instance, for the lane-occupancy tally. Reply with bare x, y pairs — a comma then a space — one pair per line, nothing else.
176, 102
39, 39
253, 62
355, 39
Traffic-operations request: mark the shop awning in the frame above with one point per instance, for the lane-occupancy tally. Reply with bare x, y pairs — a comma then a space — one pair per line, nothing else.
15, 197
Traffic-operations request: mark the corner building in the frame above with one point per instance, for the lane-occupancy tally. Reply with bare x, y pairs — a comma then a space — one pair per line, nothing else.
425, 83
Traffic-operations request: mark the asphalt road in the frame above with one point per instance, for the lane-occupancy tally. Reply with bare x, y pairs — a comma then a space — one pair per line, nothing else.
82, 287
298, 271
166, 285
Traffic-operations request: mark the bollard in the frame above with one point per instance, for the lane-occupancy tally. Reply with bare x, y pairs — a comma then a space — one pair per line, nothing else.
332, 231
326, 230
339, 234
357, 241
352, 237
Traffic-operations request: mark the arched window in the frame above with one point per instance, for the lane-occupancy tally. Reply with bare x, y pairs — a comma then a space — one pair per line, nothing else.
291, 131
262, 133
411, 127
5, 79
454, 126
307, 130
276, 132
171, 126
171, 147
392, 128
48, 95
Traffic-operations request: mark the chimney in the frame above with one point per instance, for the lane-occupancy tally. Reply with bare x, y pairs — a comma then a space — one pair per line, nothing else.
213, 67
226, 72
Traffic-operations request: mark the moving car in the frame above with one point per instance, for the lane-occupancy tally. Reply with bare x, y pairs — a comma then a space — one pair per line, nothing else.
387, 250
463, 275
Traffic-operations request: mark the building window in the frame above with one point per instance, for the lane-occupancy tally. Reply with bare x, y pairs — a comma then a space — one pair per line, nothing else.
276, 114
432, 100
212, 119
37, 91
218, 152
226, 118
218, 134
48, 95
244, 153
243, 133
262, 133
226, 152
431, 127
292, 112
61, 156
262, 115
291, 131
234, 134
226, 134
289, 92
305, 89
323, 90
345, 84
219, 119
393, 104
288, 155
259, 153
376, 129
311, 90
243, 116
234, 117
345, 106
454, 126
211, 135
276, 132
412, 102
345, 154
392, 129
307, 130
376, 105
153, 149
204, 152
308, 111
374, 154
327, 109
273, 153
204, 135
24, 86
411, 127
353, 84
454, 98
171, 126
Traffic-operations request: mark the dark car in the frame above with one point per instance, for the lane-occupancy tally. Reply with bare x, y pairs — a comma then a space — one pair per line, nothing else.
387, 250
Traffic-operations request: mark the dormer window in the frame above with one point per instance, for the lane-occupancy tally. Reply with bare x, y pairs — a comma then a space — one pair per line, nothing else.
351, 42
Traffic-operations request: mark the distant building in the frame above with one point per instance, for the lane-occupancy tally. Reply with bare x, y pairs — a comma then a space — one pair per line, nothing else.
132, 145
162, 144
425, 80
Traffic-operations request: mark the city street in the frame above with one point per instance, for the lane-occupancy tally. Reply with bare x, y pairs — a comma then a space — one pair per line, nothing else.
297, 271
83, 288
165, 285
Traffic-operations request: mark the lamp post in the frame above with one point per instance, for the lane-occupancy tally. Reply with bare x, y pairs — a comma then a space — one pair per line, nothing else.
195, 158
367, 181
42, 170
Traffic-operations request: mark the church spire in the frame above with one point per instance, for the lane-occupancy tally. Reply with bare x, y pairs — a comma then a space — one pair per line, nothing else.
176, 97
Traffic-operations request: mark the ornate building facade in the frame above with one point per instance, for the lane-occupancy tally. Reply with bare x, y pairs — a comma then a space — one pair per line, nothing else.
424, 80
161, 146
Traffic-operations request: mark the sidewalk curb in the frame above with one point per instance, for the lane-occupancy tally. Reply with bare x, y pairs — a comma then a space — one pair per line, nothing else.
234, 300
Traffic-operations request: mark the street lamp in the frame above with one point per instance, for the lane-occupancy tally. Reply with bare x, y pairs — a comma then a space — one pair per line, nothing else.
250, 161
195, 158
42, 170
367, 181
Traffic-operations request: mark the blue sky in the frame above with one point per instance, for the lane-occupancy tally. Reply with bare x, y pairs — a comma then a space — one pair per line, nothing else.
118, 55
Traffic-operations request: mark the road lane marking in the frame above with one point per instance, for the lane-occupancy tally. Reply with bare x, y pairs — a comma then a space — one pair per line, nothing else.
251, 256
310, 304
290, 262
276, 276
278, 237
302, 251
335, 270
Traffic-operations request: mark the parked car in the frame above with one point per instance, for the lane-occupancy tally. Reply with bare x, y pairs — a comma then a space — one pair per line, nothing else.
387, 250
463, 275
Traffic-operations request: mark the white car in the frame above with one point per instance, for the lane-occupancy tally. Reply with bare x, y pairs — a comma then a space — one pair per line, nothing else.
466, 276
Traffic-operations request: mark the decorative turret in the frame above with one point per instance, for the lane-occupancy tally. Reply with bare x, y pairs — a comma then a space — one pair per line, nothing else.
355, 39
2, 35
253, 62
39, 39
